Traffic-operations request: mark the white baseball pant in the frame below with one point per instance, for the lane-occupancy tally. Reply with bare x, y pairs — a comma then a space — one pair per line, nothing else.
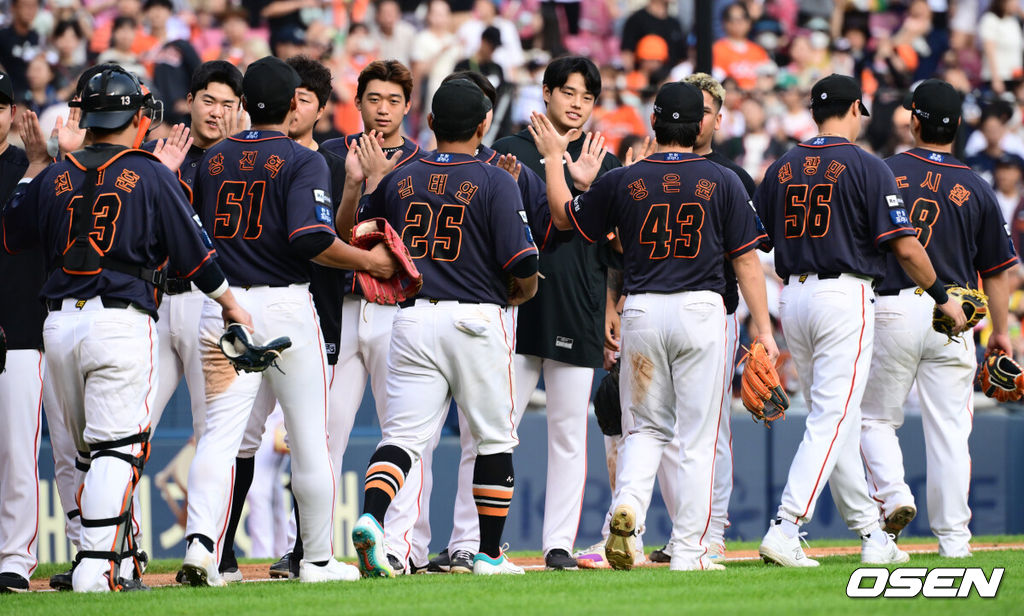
269, 502
104, 378
21, 393
673, 364
68, 478
300, 386
908, 350
829, 326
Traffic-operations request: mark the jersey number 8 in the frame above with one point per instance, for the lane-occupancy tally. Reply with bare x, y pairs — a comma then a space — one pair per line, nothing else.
808, 212
655, 231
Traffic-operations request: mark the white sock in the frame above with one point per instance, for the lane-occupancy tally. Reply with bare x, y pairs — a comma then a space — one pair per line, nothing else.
791, 529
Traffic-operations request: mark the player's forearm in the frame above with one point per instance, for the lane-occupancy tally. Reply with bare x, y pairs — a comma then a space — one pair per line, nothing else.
914, 260
344, 256
998, 290
346, 218
558, 192
750, 279
526, 289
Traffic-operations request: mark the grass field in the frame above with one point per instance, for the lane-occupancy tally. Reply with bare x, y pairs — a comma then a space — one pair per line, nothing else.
746, 587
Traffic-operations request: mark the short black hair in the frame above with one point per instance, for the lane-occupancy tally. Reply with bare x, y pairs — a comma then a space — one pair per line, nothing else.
122, 21
938, 134
315, 77
558, 71
216, 71
479, 80
735, 5
64, 26
449, 136
167, 4
827, 111
104, 132
676, 133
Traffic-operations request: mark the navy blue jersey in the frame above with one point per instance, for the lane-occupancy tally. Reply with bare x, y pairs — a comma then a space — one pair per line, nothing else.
830, 207
189, 166
23, 274
678, 215
339, 147
462, 220
732, 294
957, 218
140, 216
258, 191
328, 284
534, 193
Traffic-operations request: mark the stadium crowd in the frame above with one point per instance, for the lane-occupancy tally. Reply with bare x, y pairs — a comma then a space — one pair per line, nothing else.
767, 54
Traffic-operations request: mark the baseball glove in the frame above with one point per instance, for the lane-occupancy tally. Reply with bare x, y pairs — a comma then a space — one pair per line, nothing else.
1000, 377
406, 282
762, 391
237, 345
974, 303
607, 407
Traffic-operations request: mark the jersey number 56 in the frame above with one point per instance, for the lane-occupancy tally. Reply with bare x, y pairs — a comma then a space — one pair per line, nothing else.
808, 209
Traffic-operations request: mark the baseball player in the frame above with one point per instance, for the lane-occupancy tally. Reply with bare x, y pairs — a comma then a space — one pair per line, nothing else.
832, 211
97, 215
21, 382
678, 216
465, 529
560, 333
959, 223
267, 202
464, 223
714, 96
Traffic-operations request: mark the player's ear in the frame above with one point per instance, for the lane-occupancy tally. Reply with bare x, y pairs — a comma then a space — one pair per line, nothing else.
546, 91
189, 98
408, 106
718, 121
652, 120
430, 121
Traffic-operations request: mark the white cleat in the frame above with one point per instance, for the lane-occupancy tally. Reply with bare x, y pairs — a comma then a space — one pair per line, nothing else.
200, 566
620, 548
780, 549
716, 551
485, 565
874, 553
368, 539
333, 571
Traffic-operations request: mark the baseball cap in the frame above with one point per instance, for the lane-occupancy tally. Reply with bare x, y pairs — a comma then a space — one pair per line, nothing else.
652, 47
837, 88
459, 105
269, 85
492, 35
935, 102
6, 89
678, 103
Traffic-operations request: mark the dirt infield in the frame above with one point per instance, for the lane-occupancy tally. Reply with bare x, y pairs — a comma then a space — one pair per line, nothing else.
259, 572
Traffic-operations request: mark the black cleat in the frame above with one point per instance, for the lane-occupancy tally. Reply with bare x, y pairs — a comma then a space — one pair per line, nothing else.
396, 564
286, 567
558, 560
12, 582
440, 563
131, 585
461, 562
660, 556
62, 581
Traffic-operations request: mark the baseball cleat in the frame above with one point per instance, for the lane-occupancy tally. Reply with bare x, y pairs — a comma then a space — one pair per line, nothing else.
62, 580
228, 568
131, 585
620, 549
286, 567
12, 582
368, 538
779, 549
396, 564
440, 563
486, 565
200, 566
898, 520
333, 571
708, 566
559, 560
875, 553
660, 556
461, 562
716, 551
231, 575
592, 557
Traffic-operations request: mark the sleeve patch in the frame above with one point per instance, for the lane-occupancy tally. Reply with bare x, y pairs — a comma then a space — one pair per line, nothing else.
899, 216
522, 214
894, 201
321, 197
324, 215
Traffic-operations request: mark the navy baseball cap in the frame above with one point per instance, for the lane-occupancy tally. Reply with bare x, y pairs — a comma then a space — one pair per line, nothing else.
6, 89
269, 85
678, 103
459, 105
837, 89
935, 102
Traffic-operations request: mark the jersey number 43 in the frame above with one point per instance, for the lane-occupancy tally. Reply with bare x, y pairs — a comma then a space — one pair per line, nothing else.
682, 240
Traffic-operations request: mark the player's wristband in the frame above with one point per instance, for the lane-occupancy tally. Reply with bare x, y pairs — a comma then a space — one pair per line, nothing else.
938, 292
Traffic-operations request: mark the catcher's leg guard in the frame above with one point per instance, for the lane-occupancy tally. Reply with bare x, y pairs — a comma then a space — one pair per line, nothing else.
106, 457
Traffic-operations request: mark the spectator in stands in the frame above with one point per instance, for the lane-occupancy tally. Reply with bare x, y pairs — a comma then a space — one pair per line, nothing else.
485, 15
69, 44
19, 43
122, 37
435, 51
757, 149
993, 129
162, 24
1007, 175
102, 36
614, 117
235, 27
735, 55
482, 61
796, 122
652, 20
391, 33
1002, 44
40, 93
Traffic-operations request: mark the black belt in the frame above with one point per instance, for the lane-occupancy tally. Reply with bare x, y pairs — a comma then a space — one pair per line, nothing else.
411, 302
108, 302
177, 286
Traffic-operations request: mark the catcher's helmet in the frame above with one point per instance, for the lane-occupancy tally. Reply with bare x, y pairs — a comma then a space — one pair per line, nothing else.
110, 99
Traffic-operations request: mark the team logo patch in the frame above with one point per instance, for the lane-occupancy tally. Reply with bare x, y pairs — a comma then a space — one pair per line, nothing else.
673, 156
80, 304
819, 140
935, 156
331, 348
564, 342
899, 216
321, 197
894, 201
323, 214
576, 203
522, 214
1006, 228
444, 158
529, 234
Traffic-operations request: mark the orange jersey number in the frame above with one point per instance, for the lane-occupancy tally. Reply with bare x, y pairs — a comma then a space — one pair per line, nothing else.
682, 242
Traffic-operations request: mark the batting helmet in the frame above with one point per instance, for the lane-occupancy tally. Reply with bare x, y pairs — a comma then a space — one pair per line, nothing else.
111, 97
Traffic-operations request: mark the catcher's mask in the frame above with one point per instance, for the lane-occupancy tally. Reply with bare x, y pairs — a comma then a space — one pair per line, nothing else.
111, 98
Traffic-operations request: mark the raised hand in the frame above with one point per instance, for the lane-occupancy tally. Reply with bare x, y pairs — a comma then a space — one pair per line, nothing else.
172, 151
550, 144
584, 169
647, 147
376, 164
509, 163
233, 122
69, 136
31, 135
353, 169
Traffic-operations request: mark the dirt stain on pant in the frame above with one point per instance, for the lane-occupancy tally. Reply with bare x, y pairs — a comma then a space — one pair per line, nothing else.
641, 373
218, 372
